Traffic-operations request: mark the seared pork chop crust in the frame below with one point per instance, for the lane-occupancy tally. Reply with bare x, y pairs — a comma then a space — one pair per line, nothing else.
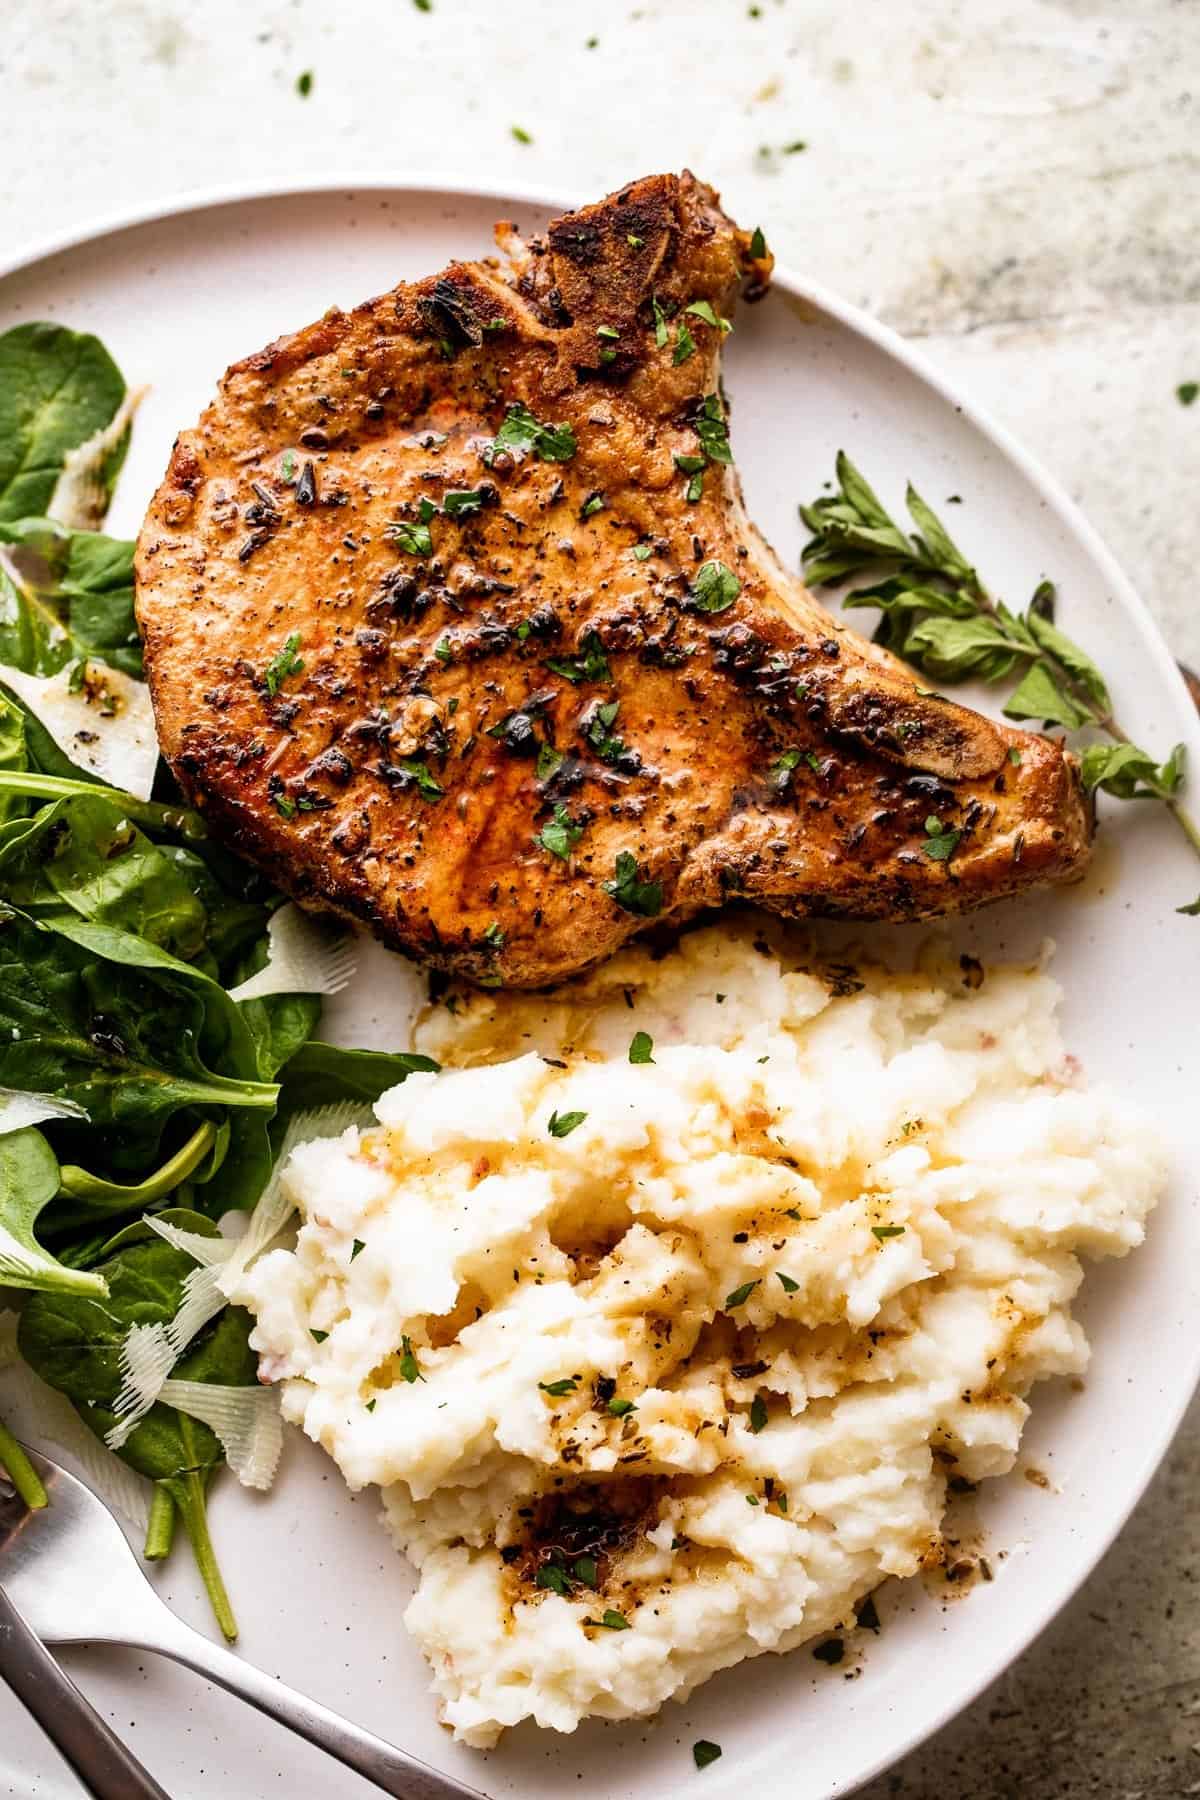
455, 624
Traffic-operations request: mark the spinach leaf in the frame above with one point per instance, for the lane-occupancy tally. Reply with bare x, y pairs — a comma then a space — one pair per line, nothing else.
319, 1074
29, 1180
65, 596
14, 754
101, 1017
85, 854
74, 1344
57, 389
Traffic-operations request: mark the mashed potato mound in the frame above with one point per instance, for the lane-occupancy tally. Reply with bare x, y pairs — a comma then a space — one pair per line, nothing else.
662, 1364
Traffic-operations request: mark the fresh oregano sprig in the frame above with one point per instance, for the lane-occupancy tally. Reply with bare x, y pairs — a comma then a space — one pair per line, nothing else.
937, 614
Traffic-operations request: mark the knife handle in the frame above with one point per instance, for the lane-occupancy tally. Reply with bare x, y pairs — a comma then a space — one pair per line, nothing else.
105, 1767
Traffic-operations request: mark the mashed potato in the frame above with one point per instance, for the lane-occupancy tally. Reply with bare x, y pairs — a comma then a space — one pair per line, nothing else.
664, 1363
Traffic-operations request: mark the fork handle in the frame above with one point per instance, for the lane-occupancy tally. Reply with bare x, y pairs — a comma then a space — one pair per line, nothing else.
99, 1758
403, 1776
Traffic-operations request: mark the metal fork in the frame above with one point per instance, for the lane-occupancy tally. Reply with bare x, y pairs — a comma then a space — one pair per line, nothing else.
70, 1573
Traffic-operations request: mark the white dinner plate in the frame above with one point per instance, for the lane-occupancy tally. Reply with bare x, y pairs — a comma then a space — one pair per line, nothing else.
318, 1590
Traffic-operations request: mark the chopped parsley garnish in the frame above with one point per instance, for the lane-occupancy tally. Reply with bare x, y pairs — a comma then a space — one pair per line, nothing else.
567, 1385
711, 428
460, 503
318, 1337
285, 807
409, 1371
560, 834
493, 937
590, 665
641, 1047
443, 651
694, 488
520, 134
758, 1413
549, 762
416, 540
685, 344
660, 325
740, 1295
552, 1577
608, 747
715, 588
752, 1500
781, 770
357, 1248
619, 1408
561, 1125
689, 465
642, 552
887, 1231
703, 310
418, 768
786, 1283
629, 890
704, 1752
614, 1621
521, 432
1014, 756
607, 331
283, 665
287, 466
304, 84
758, 243
592, 505
940, 843
1186, 392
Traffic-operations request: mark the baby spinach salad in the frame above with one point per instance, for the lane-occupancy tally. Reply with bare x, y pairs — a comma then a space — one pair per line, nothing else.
138, 1095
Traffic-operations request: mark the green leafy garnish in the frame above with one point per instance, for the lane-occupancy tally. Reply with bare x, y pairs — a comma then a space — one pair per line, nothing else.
703, 310
883, 1232
940, 841
521, 432
590, 665
1186, 392
629, 890
549, 761
560, 834
567, 1385
786, 1283
711, 428
715, 587
660, 325
551, 1576
642, 552
592, 505
357, 1248
561, 1125
460, 503
416, 540
758, 1414
641, 1047
283, 665
619, 1408
613, 1621
409, 1367
685, 343
520, 134
428, 786
704, 1752
937, 614
740, 1295
758, 243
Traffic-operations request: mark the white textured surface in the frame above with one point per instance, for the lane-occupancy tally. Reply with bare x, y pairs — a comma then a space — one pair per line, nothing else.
1014, 182
1017, 181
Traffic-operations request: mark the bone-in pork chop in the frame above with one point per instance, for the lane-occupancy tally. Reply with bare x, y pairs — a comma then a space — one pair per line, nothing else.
455, 624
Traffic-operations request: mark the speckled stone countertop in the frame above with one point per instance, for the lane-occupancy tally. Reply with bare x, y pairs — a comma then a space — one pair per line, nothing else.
1014, 185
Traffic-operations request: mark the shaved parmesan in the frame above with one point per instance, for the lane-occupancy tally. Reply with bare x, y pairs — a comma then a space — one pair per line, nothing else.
82, 491
246, 1419
106, 726
305, 957
150, 1352
19, 1108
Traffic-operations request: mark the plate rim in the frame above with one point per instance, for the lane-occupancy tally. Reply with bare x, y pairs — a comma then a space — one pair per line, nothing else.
899, 349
